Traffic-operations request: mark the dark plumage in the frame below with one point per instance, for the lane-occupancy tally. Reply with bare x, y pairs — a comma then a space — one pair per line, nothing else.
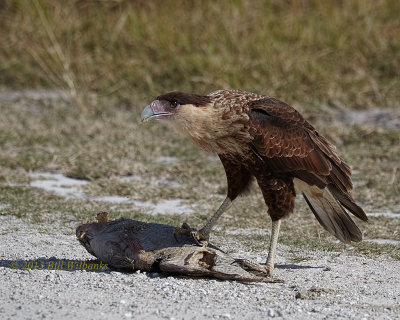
182, 98
259, 137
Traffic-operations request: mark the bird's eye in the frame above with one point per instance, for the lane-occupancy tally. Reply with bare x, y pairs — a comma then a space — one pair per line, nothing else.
174, 103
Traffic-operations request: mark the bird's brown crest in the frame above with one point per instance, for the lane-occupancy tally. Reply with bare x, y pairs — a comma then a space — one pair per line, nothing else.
183, 98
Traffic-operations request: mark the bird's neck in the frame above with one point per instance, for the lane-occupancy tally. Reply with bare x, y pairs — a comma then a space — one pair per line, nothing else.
215, 127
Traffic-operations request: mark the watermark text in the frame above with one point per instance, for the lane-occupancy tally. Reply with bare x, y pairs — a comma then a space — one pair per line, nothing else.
58, 265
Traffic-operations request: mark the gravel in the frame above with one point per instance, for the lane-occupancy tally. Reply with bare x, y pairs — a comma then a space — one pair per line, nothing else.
328, 285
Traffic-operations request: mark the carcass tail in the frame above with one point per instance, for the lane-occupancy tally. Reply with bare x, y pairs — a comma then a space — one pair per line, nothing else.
330, 213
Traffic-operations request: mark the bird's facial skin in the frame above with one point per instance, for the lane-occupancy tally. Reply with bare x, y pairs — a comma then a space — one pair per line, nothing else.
159, 109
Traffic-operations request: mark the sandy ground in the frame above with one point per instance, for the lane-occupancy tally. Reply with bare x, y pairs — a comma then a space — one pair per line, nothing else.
43, 275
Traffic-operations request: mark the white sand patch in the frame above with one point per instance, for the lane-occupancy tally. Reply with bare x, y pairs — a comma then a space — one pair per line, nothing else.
386, 214
112, 199
71, 188
167, 159
247, 232
393, 242
131, 178
151, 181
58, 183
173, 206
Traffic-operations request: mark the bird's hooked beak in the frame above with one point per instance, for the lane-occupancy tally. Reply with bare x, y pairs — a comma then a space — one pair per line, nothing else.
157, 110
147, 114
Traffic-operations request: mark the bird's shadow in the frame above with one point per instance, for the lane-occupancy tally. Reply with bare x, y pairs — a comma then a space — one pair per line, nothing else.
295, 266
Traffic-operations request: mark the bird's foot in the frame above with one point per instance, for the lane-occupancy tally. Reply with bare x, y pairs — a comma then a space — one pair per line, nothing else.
268, 270
199, 237
254, 266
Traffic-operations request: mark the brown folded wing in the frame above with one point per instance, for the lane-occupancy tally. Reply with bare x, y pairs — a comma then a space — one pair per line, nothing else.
288, 144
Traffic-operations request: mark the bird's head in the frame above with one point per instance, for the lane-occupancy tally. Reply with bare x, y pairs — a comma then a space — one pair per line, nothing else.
210, 124
191, 114
173, 106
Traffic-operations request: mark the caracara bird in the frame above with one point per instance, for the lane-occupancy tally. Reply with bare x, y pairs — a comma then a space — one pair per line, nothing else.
256, 136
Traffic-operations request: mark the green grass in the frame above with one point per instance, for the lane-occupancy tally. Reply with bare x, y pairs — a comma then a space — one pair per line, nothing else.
113, 57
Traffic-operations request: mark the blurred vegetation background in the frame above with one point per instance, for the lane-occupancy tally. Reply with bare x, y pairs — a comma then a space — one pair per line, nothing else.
299, 51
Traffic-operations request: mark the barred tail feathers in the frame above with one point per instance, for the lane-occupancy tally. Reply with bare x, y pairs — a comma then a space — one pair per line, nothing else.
329, 212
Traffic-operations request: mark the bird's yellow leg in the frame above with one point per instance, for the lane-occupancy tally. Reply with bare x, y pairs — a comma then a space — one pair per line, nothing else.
205, 231
201, 236
272, 246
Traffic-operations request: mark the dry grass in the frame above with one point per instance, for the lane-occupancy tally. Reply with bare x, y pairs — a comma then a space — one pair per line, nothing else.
300, 51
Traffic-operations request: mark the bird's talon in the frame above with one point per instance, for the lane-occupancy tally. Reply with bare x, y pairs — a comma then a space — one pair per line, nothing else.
196, 238
268, 270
